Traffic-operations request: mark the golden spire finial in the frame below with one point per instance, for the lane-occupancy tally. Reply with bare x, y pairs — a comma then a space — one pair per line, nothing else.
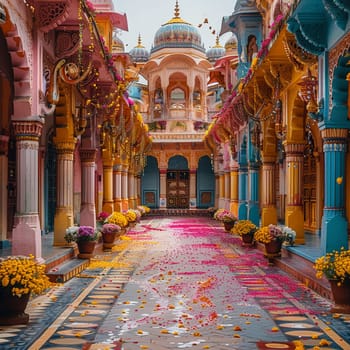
177, 10
176, 18
217, 41
139, 41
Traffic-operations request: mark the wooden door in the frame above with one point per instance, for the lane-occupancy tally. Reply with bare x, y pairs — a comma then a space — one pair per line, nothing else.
177, 188
309, 193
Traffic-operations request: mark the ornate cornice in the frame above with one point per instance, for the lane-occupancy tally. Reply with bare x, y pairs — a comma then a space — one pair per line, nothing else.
338, 10
50, 14
341, 49
297, 55
310, 31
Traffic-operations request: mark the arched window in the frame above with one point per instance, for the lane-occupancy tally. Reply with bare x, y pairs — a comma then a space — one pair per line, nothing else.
177, 99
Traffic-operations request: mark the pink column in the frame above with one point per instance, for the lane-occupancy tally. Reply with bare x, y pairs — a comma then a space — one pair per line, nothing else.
117, 187
26, 235
88, 210
4, 139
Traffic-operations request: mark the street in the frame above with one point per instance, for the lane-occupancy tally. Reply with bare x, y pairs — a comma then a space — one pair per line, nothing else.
176, 283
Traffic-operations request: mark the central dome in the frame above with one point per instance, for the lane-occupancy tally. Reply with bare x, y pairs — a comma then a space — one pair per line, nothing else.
177, 33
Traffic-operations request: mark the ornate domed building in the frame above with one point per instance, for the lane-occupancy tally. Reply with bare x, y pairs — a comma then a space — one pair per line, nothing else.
117, 44
216, 51
178, 172
177, 33
139, 53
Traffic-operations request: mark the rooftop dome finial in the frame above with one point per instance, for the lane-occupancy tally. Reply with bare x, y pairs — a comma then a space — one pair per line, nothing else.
177, 10
217, 42
139, 41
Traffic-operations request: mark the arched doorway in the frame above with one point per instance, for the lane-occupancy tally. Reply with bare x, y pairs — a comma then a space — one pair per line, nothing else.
8, 193
150, 184
50, 186
205, 183
178, 183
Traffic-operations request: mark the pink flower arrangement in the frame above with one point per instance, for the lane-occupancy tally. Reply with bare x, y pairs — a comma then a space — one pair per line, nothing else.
87, 233
110, 228
102, 216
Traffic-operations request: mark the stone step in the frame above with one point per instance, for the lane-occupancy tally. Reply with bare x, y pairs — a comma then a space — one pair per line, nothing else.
179, 212
67, 270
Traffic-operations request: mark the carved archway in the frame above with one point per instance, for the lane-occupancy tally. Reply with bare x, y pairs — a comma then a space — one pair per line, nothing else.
20, 67
339, 69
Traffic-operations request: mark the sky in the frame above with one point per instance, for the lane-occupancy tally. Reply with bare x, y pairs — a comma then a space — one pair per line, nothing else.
145, 17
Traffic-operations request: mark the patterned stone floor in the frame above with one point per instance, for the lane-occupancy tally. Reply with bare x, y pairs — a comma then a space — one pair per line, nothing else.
180, 283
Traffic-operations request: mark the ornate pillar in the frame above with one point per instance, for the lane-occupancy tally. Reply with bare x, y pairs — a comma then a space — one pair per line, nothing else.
88, 210
221, 189
42, 200
117, 187
138, 189
162, 196
242, 192
268, 192
334, 223
131, 190
234, 191
217, 190
108, 186
26, 235
253, 201
227, 193
294, 185
4, 139
193, 182
64, 204
125, 203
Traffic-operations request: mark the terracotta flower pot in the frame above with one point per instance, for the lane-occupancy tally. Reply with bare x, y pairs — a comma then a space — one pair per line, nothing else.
229, 225
248, 239
12, 307
86, 249
273, 247
108, 239
341, 296
273, 250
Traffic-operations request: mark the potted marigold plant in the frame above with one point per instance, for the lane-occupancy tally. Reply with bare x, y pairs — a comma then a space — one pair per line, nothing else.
85, 237
20, 276
119, 219
246, 230
272, 236
131, 216
335, 266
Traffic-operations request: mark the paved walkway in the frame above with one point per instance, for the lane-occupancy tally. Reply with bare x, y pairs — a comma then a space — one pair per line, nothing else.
180, 283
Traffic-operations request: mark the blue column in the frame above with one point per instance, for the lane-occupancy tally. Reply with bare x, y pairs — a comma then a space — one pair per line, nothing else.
253, 201
242, 192
243, 181
334, 224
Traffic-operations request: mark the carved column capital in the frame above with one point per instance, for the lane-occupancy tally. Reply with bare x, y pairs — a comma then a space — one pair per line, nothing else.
66, 146
88, 155
28, 130
334, 135
294, 148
